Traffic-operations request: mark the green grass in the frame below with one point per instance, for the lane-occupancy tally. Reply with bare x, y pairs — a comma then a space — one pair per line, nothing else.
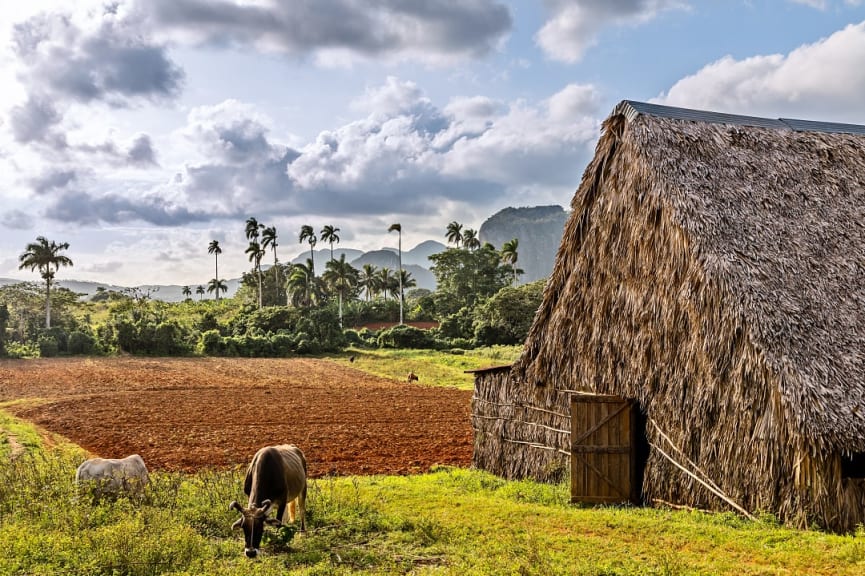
450, 521
433, 368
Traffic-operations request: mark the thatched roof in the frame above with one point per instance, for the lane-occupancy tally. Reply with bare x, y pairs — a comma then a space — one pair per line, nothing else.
774, 210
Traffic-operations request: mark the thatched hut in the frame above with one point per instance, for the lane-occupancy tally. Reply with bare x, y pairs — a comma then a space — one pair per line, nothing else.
712, 276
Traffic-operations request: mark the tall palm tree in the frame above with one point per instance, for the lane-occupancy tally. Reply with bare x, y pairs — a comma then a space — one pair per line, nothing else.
214, 249
256, 253
42, 255
342, 278
509, 255
398, 228
455, 233
217, 285
308, 234
200, 291
329, 234
368, 280
268, 240
470, 239
187, 291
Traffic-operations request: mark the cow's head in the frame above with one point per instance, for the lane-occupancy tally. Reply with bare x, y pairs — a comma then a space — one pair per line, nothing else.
253, 520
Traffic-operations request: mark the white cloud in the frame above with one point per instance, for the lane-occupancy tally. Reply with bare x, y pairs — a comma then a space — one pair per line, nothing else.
824, 80
574, 25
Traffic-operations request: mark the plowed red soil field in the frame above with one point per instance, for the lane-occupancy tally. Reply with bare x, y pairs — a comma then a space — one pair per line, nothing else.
192, 413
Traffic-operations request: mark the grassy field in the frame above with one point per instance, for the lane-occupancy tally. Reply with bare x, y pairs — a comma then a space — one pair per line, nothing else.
449, 521
432, 367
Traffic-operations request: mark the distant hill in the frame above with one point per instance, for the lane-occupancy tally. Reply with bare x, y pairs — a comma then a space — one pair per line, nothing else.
539, 231
165, 293
324, 256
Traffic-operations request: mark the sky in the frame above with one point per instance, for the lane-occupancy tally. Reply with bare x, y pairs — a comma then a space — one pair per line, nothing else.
140, 130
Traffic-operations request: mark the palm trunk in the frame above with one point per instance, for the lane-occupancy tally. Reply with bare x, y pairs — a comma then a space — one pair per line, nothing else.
48, 302
258, 265
216, 258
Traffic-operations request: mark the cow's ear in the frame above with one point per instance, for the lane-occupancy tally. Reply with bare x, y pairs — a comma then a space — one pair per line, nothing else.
235, 506
273, 522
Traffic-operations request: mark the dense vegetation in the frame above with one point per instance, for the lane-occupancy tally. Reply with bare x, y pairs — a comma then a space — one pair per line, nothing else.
284, 310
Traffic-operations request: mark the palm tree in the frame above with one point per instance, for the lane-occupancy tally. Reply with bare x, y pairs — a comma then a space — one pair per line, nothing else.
368, 280
470, 239
300, 285
308, 234
268, 240
455, 233
256, 253
329, 234
385, 281
398, 228
200, 291
187, 292
42, 255
342, 279
216, 285
214, 249
509, 255
252, 227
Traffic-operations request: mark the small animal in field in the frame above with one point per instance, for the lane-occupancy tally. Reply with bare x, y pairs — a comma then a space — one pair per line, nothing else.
113, 476
275, 477
412, 377
351, 358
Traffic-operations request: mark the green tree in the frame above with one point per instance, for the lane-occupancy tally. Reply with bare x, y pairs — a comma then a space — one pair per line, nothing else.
42, 255
385, 282
308, 234
465, 277
256, 253
268, 240
214, 249
252, 229
341, 277
187, 292
329, 235
302, 286
510, 255
4, 318
398, 229
507, 316
455, 233
200, 291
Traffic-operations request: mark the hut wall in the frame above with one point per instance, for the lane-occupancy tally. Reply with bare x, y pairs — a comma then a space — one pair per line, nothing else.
519, 431
631, 311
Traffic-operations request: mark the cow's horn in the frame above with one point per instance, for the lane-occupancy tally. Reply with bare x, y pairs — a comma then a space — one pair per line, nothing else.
235, 506
237, 523
265, 506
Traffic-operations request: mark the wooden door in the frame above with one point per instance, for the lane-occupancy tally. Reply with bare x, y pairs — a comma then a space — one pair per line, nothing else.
603, 455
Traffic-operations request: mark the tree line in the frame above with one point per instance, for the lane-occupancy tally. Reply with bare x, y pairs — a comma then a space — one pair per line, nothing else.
283, 309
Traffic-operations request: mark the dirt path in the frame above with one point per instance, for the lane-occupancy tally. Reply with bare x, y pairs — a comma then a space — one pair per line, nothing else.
186, 414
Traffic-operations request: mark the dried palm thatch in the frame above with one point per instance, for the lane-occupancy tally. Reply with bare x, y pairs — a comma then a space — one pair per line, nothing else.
712, 270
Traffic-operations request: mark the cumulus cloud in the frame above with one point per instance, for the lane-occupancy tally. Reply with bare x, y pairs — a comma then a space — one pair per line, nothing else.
141, 152
85, 208
53, 180
433, 31
35, 121
573, 25
824, 80
105, 60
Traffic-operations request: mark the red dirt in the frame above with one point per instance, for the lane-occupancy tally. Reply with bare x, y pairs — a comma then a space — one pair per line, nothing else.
193, 413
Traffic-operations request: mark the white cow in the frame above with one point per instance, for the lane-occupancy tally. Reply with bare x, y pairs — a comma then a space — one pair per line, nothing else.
113, 475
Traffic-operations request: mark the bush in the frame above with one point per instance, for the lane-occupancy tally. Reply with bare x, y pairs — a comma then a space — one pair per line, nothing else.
405, 337
48, 347
507, 317
210, 343
81, 343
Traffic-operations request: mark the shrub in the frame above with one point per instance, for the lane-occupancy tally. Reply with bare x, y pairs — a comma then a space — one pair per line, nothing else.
210, 343
81, 343
405, 337
48, 347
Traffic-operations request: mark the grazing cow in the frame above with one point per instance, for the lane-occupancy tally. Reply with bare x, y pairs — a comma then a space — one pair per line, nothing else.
276, 475
112, 476
412, 376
